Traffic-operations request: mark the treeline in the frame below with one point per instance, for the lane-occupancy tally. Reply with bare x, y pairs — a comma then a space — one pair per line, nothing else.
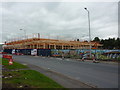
110, 43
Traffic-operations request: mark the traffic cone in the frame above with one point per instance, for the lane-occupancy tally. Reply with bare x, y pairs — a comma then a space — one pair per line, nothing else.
10, 61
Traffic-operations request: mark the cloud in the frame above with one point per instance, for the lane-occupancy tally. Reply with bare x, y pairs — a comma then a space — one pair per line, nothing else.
65, 20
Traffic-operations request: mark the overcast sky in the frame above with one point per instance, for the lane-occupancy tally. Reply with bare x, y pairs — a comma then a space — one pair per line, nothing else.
59, 20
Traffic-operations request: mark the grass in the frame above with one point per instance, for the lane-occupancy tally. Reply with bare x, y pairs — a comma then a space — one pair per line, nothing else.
15, 65
30, 78
25, 78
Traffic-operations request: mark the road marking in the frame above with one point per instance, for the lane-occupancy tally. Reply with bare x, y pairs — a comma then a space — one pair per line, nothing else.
59, 58
67, 60
24, 64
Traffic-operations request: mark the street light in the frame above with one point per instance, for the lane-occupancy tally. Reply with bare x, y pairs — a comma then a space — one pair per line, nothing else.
25, 38
24, 32
89, 29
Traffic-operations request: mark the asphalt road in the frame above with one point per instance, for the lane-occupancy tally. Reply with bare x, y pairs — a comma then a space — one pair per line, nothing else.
97, 74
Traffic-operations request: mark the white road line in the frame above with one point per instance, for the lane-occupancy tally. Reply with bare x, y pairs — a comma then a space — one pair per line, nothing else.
24, 64
59, 58
67, 60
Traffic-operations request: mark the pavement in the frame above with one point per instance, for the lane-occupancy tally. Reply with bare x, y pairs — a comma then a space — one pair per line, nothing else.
78, 73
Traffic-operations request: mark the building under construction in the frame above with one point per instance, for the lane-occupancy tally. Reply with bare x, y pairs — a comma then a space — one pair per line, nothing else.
42, 43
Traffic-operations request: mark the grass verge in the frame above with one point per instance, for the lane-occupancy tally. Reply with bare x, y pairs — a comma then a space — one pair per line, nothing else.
29, 78
25, 78
15, 65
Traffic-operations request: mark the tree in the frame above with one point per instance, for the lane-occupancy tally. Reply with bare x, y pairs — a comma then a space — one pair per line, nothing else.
96, 39
111, 43
117, 43
78, 40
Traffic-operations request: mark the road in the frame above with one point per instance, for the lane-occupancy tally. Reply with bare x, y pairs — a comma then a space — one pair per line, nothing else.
98, 74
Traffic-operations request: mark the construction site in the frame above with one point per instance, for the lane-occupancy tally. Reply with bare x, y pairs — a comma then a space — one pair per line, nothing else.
42, 43
50, 47
56, 47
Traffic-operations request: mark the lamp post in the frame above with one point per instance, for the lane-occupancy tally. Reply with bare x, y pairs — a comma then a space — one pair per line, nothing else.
24, 32
89, 30
25, 38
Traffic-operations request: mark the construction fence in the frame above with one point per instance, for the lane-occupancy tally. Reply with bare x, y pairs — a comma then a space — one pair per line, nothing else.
71, 53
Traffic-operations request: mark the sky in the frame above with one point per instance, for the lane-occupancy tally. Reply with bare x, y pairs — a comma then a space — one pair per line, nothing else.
58, 20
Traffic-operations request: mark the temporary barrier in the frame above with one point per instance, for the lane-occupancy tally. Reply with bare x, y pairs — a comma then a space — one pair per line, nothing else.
3, 56
7, 56
44, 52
